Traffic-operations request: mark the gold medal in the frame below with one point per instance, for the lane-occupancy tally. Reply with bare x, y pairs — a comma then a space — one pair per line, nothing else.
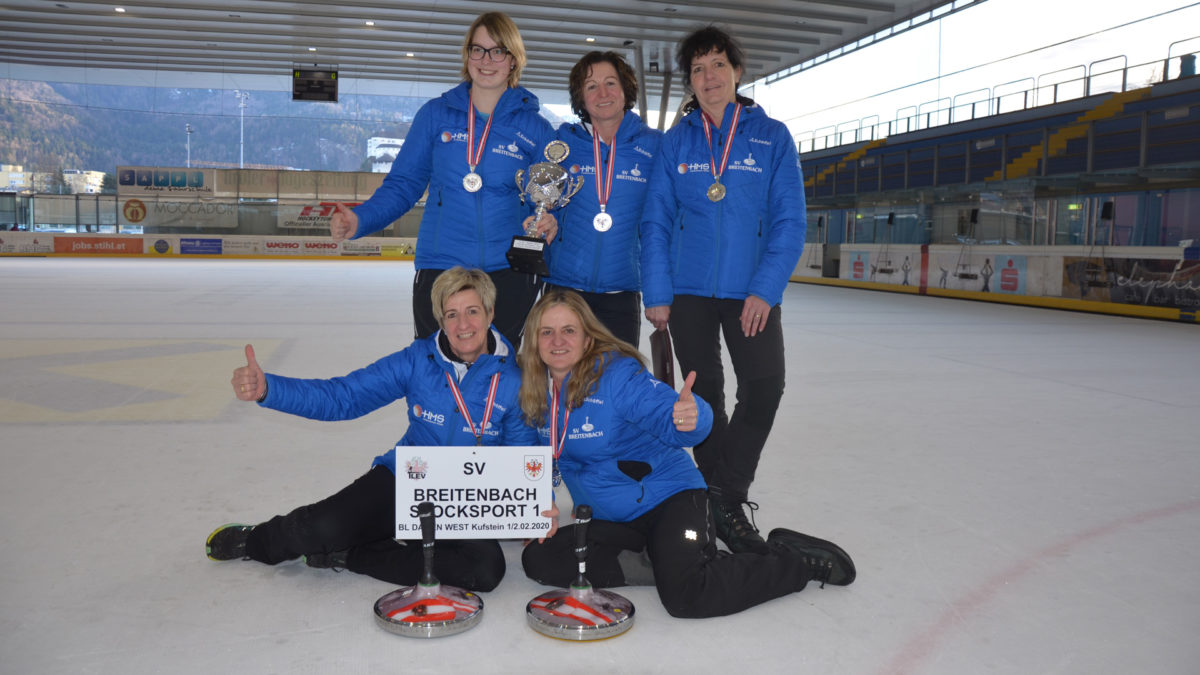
556, 151
716, 191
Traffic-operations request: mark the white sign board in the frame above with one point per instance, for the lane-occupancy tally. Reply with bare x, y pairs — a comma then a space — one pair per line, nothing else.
477, 492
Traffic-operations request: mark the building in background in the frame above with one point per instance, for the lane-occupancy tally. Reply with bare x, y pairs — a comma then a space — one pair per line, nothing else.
84, 182
14, 177
71, 181
382, 152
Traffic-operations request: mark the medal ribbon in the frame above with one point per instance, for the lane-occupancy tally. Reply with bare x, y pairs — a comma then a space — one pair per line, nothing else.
557, 446
487, 411
475, 156
604, 187
706, 120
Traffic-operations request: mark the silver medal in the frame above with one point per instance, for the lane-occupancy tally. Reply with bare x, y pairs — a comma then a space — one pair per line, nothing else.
472, 182
602, 222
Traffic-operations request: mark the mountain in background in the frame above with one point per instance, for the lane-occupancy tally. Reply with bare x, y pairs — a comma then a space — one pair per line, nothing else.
53, 126
47, 127
43, 136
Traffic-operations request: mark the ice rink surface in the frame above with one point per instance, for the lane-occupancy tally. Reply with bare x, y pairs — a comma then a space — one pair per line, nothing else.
1019, 487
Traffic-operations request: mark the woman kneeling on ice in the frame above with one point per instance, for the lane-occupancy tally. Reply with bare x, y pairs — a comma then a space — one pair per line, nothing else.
618, 436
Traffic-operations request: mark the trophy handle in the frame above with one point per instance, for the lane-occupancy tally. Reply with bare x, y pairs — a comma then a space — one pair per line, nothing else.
572, 188
521, 184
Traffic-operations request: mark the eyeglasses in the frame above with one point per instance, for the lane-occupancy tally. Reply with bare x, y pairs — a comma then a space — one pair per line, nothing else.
476, 53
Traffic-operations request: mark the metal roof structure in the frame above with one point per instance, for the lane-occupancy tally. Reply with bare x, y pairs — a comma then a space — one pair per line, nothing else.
385, 40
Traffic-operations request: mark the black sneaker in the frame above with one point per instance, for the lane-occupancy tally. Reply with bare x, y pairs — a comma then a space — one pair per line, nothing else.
830, 564
335, 561
734, 528
228, 542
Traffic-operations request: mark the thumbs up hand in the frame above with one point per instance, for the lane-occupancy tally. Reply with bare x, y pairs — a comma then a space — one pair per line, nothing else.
685, 411
249, 382
343, 224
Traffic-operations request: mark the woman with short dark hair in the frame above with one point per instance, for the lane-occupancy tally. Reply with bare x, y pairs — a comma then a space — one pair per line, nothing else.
596, 251
723, 230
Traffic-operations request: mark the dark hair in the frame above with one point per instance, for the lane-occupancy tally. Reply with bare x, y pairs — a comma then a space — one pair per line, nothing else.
579, 75
703, 41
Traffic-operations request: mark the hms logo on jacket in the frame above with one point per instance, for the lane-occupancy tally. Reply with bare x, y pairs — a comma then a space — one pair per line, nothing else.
429, 416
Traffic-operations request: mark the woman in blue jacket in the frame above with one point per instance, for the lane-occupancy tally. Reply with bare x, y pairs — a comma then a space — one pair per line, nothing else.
617, 436
721, 234
596, 251
354, 528
465, 147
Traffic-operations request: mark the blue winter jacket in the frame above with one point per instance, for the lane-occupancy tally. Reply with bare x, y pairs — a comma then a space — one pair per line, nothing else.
747, 243
418, 375
471, 229
582, 257
627, 424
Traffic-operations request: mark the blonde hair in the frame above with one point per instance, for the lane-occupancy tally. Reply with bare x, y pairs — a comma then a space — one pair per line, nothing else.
457, 280
585, 375
505, 33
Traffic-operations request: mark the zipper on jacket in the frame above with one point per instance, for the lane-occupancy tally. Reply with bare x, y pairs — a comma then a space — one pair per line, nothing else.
677, 243
449, 435
597, 242
479, 230
596, 257
758, 245
437, 231
716, 272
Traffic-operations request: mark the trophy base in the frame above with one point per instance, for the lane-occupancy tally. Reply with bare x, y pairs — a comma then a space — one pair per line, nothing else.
527, 255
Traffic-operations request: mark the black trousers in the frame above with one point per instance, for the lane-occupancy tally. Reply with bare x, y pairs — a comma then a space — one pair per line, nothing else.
360, 518
693, 578
620, 312
515, 295
728, 458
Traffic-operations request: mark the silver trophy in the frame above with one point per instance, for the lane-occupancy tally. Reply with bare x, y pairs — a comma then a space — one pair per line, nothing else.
549, 186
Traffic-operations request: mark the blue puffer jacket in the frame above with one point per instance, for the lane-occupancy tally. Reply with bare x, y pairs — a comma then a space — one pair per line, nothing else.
582, 257
417, 374
627, 424
747, 243
472, 229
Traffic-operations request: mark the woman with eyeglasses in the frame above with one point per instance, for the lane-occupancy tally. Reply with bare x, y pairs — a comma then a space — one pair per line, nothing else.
466, 147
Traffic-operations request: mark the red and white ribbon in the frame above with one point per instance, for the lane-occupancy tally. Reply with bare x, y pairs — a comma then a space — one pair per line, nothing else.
604, 185
705, 121
475, 155
487, 411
